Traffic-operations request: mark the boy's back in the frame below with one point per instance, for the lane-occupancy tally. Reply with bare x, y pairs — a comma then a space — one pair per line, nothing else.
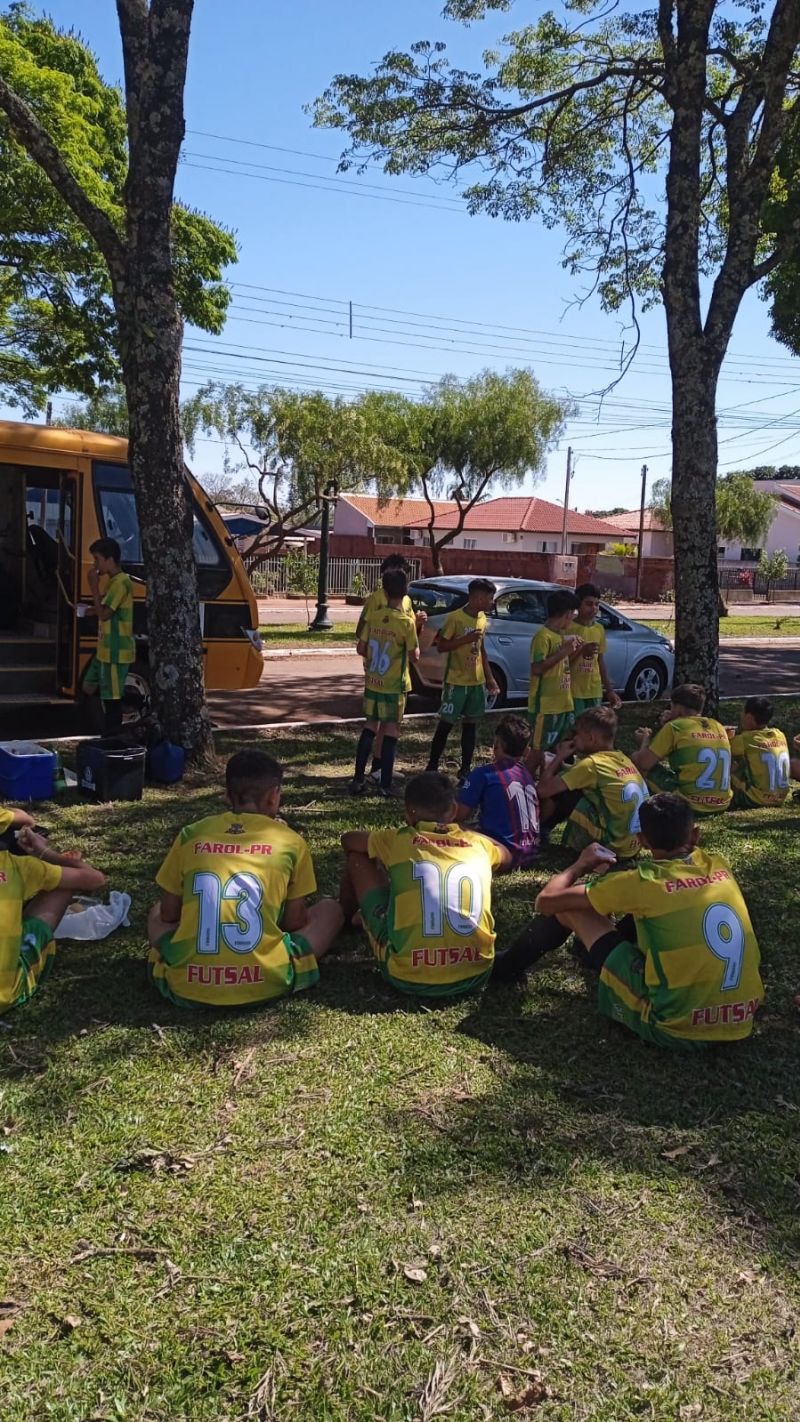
616, 791
699, 752
763, 769
439, 929
390, 634
504, 794
234, 873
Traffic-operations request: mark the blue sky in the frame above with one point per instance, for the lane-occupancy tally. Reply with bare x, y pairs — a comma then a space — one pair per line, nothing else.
433, 289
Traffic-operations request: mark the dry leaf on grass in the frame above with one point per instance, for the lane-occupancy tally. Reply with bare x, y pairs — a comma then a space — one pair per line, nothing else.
532, 1394
673, 1154
9, 1310
434, 1399
173, 1162
415, 1273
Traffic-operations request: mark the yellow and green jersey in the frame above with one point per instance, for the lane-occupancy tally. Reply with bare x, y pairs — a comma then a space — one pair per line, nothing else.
550, 694
701, 955
465, 665
234, 874
374, 603
699, 753
585, 681
440, 929
390, 635
761, 765
6, 819
615, 789
21, 878
115, 636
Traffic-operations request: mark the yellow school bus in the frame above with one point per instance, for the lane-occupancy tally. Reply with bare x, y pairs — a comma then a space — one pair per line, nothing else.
59, 491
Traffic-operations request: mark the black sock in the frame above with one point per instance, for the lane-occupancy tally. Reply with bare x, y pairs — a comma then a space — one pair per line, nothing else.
387, 764
563, 805
541, 936
438, 744
376, 764
469, 735
362, 752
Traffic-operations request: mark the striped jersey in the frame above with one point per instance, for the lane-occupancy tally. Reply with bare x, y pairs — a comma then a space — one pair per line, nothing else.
615, 790
21, 878
374, 603
440, 929
115, 636
465, 665
390, 635
701, 955
699, 752
550, 694
6, 819
585, 680
504, 795
234, 874
761, 765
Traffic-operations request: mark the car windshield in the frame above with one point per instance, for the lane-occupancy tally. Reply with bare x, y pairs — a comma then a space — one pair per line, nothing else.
435, 599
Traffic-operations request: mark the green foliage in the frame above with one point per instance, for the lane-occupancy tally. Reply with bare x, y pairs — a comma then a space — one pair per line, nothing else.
106, 410
57, 325
790, 473
773, 566
301, 574
623, 550
744, 513
358, 585
606, 513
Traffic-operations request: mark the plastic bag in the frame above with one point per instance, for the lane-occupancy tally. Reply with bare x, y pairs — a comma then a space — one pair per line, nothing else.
96, 921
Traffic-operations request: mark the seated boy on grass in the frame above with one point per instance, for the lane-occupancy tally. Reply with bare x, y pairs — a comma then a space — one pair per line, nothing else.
232, 927
671, 939
695, 749
10, 822
36, 886
761, 764
502, 797
424, 893
599, 797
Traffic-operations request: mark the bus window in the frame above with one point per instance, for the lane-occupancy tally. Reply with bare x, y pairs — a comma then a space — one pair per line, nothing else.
118, 518
116, 507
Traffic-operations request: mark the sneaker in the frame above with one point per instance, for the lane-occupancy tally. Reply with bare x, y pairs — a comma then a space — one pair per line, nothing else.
357, 787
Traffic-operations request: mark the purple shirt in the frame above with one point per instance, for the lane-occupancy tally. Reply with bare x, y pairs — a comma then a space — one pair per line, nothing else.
504, 794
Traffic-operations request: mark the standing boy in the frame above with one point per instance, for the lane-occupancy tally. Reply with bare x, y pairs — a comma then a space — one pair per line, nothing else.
424, 893
681, 968
761, 768
600, 796
550, 702
115, 645
696, 750
388, 642
589, 677
502, 795
394, 562
232, 926
467, 675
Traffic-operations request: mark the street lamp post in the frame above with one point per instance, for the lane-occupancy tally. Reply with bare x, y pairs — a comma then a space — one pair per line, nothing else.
322, 622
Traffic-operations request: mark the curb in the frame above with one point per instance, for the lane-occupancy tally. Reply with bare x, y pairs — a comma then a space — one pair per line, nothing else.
279, 653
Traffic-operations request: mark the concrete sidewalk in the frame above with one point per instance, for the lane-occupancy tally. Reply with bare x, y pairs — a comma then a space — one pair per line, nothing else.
276, 611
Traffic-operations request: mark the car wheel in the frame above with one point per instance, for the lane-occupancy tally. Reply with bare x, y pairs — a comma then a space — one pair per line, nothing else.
495, 702
647, 681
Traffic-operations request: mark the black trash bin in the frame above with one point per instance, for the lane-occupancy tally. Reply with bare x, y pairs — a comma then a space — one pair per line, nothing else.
110, 770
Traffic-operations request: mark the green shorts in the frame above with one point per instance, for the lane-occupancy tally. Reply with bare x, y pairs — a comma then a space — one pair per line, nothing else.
109, 677
37, 949
622, 996
374, 910
380, 707
662, 777
585, 826
467, 703
549, 728
585, 703
306, 973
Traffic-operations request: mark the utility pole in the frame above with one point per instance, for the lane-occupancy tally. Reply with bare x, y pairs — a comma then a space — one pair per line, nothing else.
566, 501
641, 535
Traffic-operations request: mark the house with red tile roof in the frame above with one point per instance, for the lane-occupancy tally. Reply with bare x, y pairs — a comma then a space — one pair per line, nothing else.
657, 542
519, 523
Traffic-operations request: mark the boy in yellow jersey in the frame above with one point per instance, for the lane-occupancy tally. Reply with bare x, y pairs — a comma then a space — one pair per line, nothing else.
589, 679
467, 675
395, 562
696, 749
424, 894
761, 764
600, 797
232, 927
116, 648
388, 643
10, 822
680, 967
36, 886
550, 702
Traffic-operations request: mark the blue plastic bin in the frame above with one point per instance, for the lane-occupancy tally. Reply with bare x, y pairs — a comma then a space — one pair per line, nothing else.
27, 771
166, 763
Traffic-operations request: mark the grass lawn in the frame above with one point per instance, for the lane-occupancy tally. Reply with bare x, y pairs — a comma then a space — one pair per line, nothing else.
735, 626
297, 634
351, 1207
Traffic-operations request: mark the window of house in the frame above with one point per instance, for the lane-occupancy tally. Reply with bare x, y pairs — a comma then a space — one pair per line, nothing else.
470, 542
749, 555
509, 537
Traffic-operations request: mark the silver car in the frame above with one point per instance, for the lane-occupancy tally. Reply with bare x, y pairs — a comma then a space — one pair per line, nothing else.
640, 661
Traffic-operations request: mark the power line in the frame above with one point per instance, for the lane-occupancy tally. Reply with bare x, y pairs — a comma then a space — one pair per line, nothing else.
320, 187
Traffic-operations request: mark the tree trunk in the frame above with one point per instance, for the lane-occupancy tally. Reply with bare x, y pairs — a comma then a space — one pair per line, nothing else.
694, 471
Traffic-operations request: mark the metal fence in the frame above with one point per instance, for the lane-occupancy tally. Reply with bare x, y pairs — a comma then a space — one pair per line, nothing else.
274, 575
751, 580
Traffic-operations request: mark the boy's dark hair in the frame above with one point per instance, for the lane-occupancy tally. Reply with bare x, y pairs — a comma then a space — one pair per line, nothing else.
599, 718
667, 821
560, 602
394, 583
107, 548
481, 585
587, 590
513, 733
431, 795
760, 708
249, 773
395, 562
691, 695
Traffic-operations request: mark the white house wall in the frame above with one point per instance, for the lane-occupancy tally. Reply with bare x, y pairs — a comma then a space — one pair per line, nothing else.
350, 521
